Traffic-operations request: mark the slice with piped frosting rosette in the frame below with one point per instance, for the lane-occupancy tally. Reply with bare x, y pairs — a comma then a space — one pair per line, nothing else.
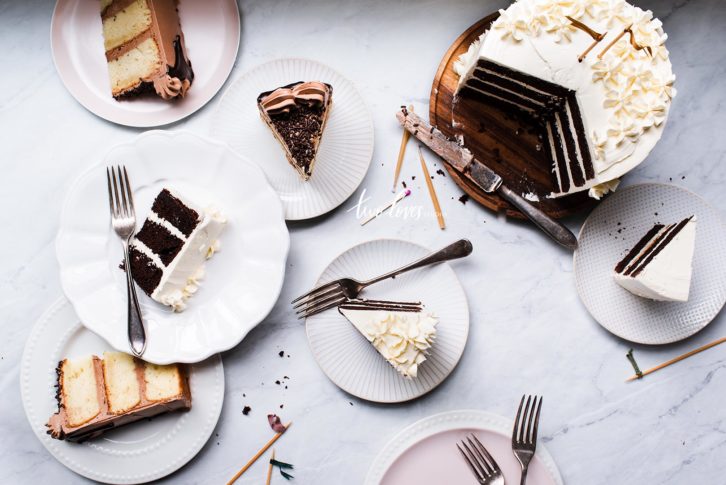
402, 332
297, 114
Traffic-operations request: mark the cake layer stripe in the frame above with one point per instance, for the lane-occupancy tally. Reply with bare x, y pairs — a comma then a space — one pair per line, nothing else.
574, 169
160, 241
576, 116
666, 240
173, 210
561, 166
514, 98
648, 249
635, 251
491, 77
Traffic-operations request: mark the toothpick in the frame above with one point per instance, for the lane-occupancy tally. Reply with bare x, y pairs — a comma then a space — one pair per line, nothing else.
587, 51
401, 195
432, 192
401, 152
612, 43
269, 469
677, 359
259, 453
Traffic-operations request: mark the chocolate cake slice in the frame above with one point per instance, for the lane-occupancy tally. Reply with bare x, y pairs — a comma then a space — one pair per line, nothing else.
659, 266
297, 114
401, 332
167, 254
144, 47
95, 395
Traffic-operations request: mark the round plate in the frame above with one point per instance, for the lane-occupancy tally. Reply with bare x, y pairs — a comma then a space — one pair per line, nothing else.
345, 355
241, 283
345, 150
136, 453
425, 452
520, 164
613, 228
211, 34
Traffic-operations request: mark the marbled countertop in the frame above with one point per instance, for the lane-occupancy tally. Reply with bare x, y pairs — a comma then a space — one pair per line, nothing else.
529, 331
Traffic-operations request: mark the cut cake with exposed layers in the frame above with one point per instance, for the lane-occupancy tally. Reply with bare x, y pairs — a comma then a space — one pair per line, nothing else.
168, 253
95, 395
144, 47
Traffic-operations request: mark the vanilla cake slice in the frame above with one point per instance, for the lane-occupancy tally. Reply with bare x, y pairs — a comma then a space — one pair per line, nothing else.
144, 47
95, 395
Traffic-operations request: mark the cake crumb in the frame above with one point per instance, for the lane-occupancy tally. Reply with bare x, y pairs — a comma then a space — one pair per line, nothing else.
281, 353
464, 198
246, 410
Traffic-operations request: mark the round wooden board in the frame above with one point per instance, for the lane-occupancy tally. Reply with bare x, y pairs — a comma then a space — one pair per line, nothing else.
504, 144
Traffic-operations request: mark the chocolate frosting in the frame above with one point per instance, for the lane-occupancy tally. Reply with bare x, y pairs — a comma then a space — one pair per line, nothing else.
282, 100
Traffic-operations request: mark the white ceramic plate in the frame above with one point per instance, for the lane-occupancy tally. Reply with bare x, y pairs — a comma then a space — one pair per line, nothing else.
345, 150
242, 281
345, 355
613, 228
424, 453
136, 453
211, 32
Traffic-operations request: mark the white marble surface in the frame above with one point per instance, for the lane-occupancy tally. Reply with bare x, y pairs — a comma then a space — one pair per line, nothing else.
529, 331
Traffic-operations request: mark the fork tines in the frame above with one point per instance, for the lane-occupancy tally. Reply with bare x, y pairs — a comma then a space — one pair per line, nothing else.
121, 201
484, 467
321, 298
524, 433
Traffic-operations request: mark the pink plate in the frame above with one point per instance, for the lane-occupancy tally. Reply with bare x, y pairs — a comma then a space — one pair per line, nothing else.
212, 33
425, 453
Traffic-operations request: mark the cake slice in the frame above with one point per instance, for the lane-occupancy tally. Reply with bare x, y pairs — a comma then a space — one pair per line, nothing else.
401, 332
659, 266
167, 255
297, 114
144, 47
95, 395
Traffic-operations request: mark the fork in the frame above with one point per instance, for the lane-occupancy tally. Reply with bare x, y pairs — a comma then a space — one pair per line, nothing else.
123, 221
332, 294
482, 465
524, 434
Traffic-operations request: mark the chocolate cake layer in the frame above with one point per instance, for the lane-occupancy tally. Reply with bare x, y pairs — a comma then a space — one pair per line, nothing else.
146, 274
162, 242
173, 210
633, 253
666, 238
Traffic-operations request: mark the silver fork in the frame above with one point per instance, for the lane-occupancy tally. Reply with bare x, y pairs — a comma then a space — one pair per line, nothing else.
524, 434
123, 220
332, 294
482, 465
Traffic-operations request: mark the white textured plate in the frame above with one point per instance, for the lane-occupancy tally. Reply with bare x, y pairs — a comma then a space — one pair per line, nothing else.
136, 453
242, 282
211, 33
424, 453
345, 150
345, 355
613, 228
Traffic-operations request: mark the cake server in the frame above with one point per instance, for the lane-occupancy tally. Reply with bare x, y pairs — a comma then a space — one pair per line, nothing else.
123, 220
485, 178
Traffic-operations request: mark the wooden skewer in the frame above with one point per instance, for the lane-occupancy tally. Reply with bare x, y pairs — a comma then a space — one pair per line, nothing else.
269, 470
259, 454
612, 43
587, 51
432, 192
401, 153
677, 359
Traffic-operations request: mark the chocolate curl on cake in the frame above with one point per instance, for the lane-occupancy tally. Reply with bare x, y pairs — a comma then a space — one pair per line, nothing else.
636, 46
596, 36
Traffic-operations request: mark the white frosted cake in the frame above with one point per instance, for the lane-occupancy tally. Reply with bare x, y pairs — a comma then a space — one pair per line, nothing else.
594, 75
401, 332
659, 266
169, 251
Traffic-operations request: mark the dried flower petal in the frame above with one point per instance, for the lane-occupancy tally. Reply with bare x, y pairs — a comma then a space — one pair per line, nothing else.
275, 423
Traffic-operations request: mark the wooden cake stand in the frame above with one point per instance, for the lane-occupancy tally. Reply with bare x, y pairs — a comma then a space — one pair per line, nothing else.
507, 146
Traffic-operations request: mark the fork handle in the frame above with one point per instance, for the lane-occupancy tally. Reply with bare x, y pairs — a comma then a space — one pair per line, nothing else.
457, 250
136, 332
523, 480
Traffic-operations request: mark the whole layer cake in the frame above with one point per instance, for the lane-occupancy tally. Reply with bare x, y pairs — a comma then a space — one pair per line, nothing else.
95, 395
144, 47
401, 332
167, 255
594, 76
297, 115
659, 266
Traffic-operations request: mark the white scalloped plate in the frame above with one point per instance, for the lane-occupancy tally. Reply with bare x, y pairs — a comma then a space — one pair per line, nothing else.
137, 453
211, 33
614, 227
345, 355
242, 281
345, 150
424, 453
